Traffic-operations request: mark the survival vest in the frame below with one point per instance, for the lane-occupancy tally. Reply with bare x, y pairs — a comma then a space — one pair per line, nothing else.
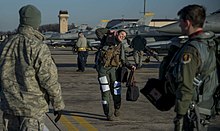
109, 54
217, 92
201, 80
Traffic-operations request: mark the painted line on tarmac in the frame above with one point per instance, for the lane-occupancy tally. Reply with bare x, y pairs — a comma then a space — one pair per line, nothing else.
84, 123
68, 124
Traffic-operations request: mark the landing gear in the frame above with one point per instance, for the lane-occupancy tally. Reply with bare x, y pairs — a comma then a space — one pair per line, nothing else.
147, 60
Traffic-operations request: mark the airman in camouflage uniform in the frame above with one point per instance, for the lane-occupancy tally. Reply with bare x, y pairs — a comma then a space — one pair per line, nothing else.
28, 76
193, 58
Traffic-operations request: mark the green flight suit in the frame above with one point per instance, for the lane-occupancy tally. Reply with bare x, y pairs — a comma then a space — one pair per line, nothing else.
138, 44
193, 58
109, 77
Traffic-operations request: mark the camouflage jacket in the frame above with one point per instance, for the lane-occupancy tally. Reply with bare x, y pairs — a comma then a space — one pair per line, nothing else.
28, 75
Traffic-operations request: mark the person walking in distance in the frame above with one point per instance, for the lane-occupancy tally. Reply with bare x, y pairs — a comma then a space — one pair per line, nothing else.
110, 59
138, 44
82, 46
28, 76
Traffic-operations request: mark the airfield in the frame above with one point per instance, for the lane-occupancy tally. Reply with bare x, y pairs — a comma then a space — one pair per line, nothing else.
83, 111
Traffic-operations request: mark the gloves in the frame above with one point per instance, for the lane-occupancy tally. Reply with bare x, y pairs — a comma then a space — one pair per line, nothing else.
58, 115
133, 67
178, 122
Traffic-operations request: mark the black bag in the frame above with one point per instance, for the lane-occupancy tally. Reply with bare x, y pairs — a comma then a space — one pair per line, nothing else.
159, 93
132, 93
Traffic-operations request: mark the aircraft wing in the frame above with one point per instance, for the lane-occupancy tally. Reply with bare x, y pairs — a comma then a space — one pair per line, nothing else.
212, 23
163, 46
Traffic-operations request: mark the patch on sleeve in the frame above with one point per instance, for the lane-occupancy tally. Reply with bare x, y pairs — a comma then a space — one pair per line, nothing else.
186, 58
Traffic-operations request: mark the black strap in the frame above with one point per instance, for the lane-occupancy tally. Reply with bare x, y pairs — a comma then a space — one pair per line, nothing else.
130, 78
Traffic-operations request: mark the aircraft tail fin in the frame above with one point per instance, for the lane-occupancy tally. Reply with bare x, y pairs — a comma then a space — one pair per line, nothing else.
146, 19
102, 24
82, 27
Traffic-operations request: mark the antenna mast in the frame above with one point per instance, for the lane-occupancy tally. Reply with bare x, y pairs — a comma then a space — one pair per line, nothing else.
144, 6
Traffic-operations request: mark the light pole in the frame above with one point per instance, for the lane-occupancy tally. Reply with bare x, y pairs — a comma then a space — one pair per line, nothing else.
144, 6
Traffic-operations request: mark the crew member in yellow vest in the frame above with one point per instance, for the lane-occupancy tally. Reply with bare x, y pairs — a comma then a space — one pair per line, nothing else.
82, 52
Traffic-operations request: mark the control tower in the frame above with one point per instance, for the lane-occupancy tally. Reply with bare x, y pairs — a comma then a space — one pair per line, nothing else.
63, 21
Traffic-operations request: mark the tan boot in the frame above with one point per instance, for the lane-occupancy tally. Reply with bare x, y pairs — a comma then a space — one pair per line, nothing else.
117, 113
110, 118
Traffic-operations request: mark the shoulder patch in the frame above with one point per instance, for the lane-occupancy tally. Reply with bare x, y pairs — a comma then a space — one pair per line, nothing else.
186, 58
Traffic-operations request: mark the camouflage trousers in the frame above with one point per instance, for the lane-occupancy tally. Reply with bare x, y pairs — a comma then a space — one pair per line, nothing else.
138, 57
21, 123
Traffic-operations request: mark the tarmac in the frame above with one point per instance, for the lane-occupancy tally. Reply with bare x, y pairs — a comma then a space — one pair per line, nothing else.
82, 97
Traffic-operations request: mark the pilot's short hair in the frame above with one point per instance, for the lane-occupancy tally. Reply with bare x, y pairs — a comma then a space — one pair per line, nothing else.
195, 13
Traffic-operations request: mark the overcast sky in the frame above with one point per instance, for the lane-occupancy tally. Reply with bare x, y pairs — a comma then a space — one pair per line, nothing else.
92, 11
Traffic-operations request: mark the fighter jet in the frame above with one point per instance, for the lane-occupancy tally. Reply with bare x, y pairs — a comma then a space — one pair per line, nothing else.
132, 28
91, 33
212, 23
69, 38
73, 34
69, 35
